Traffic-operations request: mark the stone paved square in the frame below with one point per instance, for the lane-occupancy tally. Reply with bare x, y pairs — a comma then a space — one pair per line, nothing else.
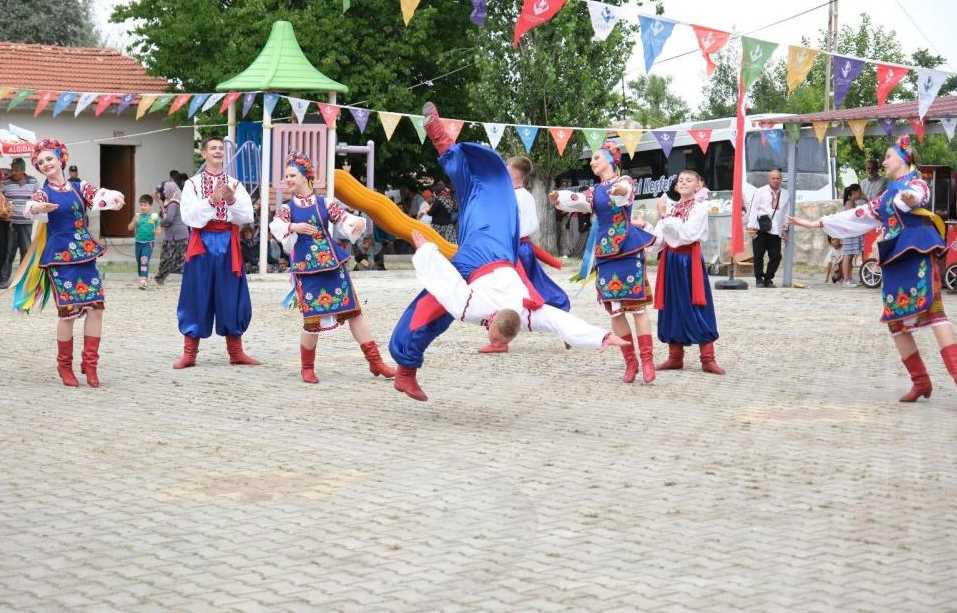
532, 481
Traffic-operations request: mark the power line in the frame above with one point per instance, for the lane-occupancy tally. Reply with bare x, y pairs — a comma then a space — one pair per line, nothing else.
921, 32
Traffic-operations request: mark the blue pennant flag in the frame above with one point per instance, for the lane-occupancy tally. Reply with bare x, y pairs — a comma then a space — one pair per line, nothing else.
65, 100
845, 70
654, 33
248, 99
527, 134
124, 103
666, 139
774, 138
478, 12
269, 103
196, 103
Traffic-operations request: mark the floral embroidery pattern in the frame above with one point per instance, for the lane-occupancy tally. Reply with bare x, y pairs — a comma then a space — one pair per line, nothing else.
82, 247
78, 292
318, 251
631, 286
617, 231
330, 302
909, 302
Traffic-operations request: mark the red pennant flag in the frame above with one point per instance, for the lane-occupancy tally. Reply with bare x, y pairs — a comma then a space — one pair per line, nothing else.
702, 136
45, 98
711, 41
535, 13
227, 100
178, 102
329, 113
453, 127
887, 77
561, 136
737, 193
918, 125
104, 103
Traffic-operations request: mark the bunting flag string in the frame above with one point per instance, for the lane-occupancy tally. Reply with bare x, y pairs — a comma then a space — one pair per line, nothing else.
666, 139
161, 102
604, 18
561, 136
211, 101
843, 71
755, 53
595, 137
857, 127
888, 76
702, 136
361, 117
949, 125
64, 100
820, 129
248, 99
197, 102
630, 139
126, 101
527, 135
84, 101
178, 103
42, 103
478, 13
655, 31
710, 41
888, 126
408, 10
146, 101
389, 122
228, 100
928, 84
800, 61
534, 13
103, 103
494, 131
418, 122
329, 113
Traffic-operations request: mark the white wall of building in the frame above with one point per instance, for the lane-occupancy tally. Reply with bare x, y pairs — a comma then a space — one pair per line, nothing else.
156, 154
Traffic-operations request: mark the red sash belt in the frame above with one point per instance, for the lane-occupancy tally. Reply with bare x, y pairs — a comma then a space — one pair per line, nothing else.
543, 256
697, 274
533, 302
196, 247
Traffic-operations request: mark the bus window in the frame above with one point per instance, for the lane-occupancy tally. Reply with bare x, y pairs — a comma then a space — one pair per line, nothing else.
811, 155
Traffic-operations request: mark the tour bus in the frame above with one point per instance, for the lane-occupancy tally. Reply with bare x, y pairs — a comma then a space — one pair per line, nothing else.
655, 175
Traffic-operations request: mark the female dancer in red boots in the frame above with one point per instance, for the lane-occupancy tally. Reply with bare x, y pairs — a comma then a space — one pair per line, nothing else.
913, 240
318, 265
62, 259
621, 282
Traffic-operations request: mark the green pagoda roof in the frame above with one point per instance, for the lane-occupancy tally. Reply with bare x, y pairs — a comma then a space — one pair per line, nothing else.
281, 66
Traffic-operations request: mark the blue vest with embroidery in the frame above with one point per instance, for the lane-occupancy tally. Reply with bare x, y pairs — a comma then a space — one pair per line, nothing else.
616, 236
68, 234
905, 232
312, 254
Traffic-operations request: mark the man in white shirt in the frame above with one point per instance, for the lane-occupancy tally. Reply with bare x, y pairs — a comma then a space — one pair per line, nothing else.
766, 222
874, 184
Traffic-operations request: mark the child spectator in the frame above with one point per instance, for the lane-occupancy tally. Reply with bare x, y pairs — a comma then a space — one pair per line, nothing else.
145, 223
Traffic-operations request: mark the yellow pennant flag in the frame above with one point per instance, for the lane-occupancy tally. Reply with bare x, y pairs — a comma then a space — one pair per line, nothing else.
630, 139
4, 92
146, 101
857, 127
408, 9
820, 130
800, 60
389, 122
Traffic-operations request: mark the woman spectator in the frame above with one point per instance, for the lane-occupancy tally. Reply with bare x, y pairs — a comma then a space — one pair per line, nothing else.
851, 247
444, 211
175, 232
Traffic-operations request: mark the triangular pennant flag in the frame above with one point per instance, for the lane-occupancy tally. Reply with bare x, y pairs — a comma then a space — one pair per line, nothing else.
45, 98
793, 131
666, 139
211, 101
857, 127
104, 103
269, 103
820, 129
361, 117
389, 122
595, 137
64, 100
329, 113
534, 13
918, 125
479, 13
249, 98
800, 61
85, 100
494, 131
453, 127
755, 53
146, 101
928, 84
179, 102
845, 70
527, 135
345, 5
4, 92
18, 98
418, 122
888, 126
126, 101
161, 102
710, 41
949, 125
230, 98
408, 9
630, 139
888, 76
702, 136
603, 18
299, 107
195, 104
774, 139
654, 33
561, 136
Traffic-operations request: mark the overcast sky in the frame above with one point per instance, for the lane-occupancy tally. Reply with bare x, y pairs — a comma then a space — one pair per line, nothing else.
934, 19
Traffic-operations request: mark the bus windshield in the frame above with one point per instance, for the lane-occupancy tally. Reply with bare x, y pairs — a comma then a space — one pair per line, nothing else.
762, 156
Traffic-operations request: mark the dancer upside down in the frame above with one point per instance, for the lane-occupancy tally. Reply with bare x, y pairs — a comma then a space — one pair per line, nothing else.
908, 254
483, 283
319, 267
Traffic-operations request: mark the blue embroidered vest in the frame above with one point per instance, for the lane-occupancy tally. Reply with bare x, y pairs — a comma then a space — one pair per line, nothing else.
68, 235
905, 232
312, 254
616, 236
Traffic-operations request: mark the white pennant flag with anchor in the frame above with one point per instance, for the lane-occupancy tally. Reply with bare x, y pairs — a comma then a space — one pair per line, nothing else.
494, 132
928, 84
603, 18
84, 101
211, 101
299, 106
949, 125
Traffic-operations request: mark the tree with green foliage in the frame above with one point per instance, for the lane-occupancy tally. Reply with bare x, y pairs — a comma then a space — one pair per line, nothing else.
67, 23
654, 104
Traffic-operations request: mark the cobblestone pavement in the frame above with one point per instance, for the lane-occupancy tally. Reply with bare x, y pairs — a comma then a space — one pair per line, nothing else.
532, 481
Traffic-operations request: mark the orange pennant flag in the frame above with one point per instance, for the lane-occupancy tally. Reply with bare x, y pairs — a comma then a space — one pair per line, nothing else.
42, 103
702, 136
561, 136
179, 102
227, 100
453, 127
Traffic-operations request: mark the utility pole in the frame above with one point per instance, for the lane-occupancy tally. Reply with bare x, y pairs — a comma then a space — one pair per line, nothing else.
829, 90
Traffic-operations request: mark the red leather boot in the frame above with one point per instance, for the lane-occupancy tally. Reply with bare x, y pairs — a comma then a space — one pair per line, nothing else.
64, 363
307, 360
647, 353
631, 361
374, 358
676, 358
708, 363
919, 378
190, 349
234, 347
90, 358
405, 382
435, 130
949, 353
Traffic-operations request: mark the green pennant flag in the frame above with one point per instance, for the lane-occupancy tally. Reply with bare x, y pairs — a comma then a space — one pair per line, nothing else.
755, 54
345, 5
595, 137
18, 98
793, 131
418, 122
162, 102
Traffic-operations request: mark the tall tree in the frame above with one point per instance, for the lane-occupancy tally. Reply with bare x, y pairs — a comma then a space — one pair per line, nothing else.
655, 105
68, 23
